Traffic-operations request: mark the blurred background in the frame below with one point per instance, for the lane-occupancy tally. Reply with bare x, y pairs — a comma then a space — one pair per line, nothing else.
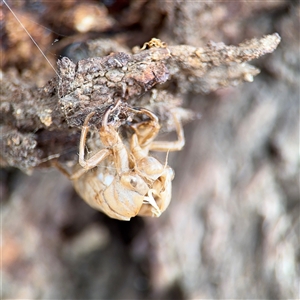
232, 228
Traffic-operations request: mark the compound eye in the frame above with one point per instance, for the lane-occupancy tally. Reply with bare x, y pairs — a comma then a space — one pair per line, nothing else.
133, 181
129, 181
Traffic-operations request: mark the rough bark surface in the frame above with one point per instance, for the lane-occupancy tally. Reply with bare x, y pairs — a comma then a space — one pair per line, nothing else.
232, 229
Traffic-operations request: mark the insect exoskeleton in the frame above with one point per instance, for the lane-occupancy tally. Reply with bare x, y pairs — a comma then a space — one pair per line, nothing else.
123, 180
154, 42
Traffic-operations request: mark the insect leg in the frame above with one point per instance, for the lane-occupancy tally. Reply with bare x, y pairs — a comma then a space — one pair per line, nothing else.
92, 161
170, 146
146, 131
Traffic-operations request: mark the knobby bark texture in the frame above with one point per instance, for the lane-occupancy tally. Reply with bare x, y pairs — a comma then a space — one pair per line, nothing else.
232, 229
